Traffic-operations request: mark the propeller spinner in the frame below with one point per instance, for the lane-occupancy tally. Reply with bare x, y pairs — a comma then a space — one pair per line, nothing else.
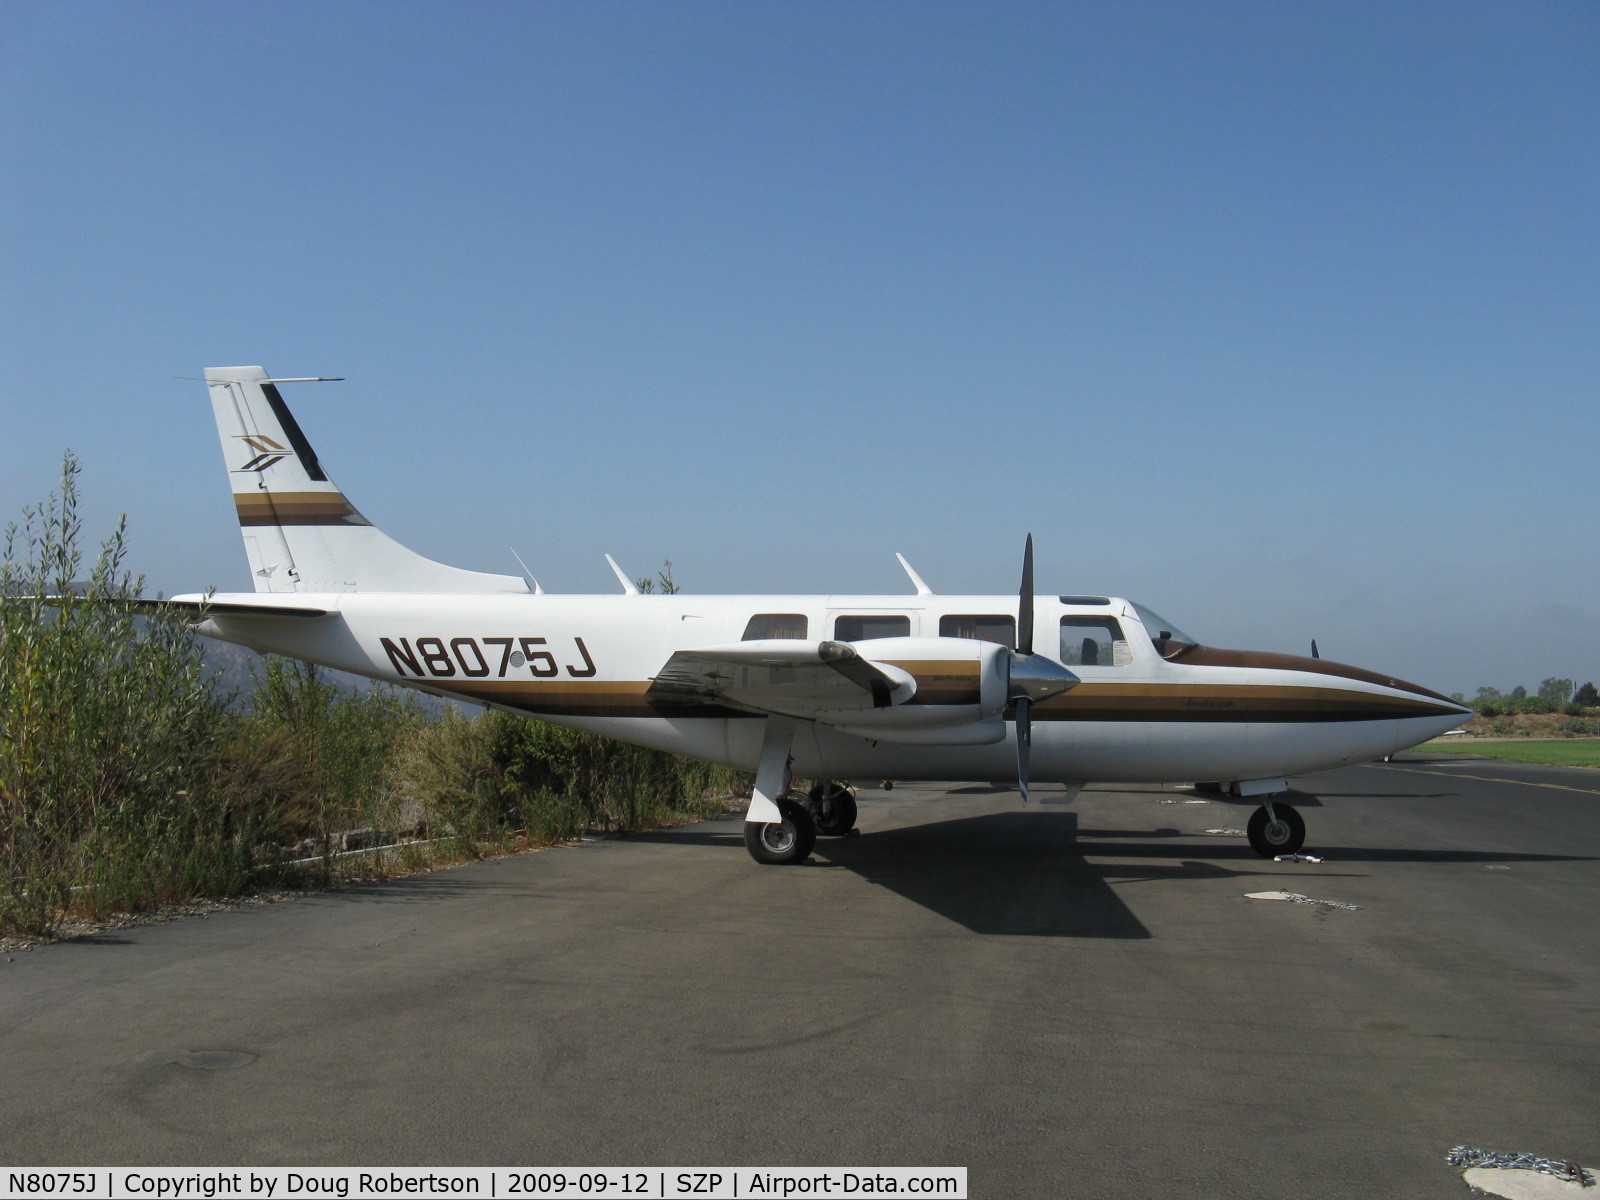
1033, 677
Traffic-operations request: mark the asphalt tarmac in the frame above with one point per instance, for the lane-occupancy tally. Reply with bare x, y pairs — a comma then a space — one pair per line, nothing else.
1076, 1000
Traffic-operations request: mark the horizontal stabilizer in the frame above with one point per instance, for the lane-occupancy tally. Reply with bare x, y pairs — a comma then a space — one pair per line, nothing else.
189, 608
201, 608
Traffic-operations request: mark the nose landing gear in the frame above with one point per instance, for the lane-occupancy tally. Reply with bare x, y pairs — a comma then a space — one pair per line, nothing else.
1275, 828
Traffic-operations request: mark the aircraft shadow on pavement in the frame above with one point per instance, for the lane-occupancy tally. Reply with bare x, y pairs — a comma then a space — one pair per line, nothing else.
1030, 873
1001, 873
1230, 849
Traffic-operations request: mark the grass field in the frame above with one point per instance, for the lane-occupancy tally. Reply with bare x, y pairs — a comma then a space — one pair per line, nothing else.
1560, 752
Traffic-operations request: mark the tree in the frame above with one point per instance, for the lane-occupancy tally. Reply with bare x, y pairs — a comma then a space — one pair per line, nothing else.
1489, 693
663, 581
1587, 696
1519, 693
1559, 690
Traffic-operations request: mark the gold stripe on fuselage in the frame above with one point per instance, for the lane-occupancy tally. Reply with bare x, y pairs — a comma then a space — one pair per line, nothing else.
1162, 702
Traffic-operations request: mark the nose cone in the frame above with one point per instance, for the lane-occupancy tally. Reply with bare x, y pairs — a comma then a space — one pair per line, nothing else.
1445, 715
1038, 678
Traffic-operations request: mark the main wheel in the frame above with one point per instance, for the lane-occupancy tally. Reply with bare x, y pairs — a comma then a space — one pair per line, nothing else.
1270, 838
833, 809
787, 841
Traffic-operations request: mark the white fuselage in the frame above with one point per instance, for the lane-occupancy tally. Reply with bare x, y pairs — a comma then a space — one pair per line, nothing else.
588, 662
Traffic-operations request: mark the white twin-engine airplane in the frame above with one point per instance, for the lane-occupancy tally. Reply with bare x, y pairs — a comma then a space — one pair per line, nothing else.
1071, 689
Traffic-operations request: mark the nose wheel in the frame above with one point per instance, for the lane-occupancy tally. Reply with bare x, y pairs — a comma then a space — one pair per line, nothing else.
1275, 828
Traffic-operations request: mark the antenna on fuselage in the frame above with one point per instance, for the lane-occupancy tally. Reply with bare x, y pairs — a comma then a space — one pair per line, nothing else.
1314, 653
629, 588
916, 580
537, 590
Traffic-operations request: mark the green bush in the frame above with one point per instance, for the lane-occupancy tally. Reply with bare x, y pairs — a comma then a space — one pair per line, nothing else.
108, 723
1578, 728
557, 781
129, 779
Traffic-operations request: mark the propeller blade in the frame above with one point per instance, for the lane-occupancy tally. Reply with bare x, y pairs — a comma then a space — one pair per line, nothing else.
1025, 602
1024, 743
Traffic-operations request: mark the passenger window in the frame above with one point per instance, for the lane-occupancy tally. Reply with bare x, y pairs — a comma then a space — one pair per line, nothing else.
1094, 642
788, 627
992, 628
861, 629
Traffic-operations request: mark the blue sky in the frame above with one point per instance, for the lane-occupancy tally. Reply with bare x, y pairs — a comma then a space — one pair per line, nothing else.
1280, 318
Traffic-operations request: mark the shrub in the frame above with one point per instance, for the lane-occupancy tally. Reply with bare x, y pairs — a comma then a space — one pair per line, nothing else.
128, 779
600, 783
1578, 728
108, 723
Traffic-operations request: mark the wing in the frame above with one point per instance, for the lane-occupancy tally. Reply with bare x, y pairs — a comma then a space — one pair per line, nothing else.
794, 678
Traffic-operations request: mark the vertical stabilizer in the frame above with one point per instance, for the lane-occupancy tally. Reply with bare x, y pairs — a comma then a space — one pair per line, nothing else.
300, 533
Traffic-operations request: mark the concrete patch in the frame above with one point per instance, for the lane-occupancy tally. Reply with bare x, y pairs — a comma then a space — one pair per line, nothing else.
1516, 1184
1297, 898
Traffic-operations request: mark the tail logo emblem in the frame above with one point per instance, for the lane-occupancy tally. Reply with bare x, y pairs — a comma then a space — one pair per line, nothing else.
267, 452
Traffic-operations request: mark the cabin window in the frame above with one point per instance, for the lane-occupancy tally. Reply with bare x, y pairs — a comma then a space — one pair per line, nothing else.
1094, 642
861, 629
984, 628
787, 627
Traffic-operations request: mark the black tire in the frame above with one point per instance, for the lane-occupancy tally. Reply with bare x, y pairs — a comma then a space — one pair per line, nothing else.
1208, 787
833, 809
1270, 839
782, 842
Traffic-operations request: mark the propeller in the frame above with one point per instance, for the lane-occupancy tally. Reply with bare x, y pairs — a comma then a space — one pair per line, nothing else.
1033, 677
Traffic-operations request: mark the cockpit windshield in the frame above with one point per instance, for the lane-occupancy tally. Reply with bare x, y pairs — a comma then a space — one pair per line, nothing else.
1168, 638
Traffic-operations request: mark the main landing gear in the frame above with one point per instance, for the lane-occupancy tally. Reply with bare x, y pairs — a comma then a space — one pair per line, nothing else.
779, 829
833, 808
1275, 828
787, 840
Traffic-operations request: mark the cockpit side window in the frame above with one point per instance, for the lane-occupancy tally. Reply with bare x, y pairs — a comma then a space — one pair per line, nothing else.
1169, 640
1094, 642
776, 626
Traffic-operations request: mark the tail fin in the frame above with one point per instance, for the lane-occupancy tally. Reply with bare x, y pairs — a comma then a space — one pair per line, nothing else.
300, 533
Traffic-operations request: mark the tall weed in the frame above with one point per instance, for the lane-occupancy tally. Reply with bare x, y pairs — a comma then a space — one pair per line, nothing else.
130, 779
107, 724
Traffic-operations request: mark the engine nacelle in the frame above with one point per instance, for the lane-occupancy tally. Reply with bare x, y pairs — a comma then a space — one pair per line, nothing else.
961, 692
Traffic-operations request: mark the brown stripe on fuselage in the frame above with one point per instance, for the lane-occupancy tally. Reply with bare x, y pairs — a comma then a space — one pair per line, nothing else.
295, 508
1185, 703
1212, 656
1228, 703
581, 698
